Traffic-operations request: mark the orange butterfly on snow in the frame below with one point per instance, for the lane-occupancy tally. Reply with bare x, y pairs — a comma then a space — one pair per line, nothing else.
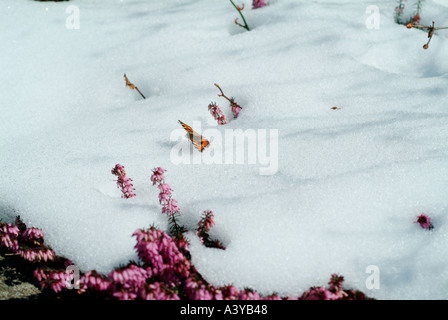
198, 141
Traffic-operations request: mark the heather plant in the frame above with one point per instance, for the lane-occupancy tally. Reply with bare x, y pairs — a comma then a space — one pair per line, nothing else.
424, 221
217, 113
27, 243
411, 18
169, 205
258, 4
236, 108
430, 30
123, 182
204, 227
239, 9
164, 270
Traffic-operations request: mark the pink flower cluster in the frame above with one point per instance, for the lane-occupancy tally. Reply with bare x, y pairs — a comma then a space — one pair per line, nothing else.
94, 282
125, 283
164, 270
26, 242
158, 291
37, 254
207, 222
258, 4
169, 205
128, 283
53, 279
8, 236
123, 181
424, 221
163, 258
204, 226
198, 289
166, 273
334, 292
234, 106
217, 113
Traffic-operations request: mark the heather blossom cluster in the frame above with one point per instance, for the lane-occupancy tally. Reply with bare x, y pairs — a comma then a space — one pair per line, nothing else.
123, 181
163, 256
55, 280
8, 236
204, 226
164, 270
28, 243
334, 292
235, 107
256, 4
424, 221
217, 113
169, 205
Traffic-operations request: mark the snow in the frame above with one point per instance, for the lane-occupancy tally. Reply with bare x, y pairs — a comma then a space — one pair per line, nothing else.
350, 182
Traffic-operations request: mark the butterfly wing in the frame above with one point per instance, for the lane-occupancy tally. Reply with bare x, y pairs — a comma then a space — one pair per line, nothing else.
198, 141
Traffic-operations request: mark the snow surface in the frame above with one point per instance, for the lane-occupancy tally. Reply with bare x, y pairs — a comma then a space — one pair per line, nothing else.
350, 182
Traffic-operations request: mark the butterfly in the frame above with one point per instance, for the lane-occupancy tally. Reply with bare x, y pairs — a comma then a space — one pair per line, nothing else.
198, 141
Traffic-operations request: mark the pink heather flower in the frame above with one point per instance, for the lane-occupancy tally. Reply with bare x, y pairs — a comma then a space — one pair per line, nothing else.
207, 222
164, 198
217, 113
336, 282
248, 294
235, 109
319, 293
37, 254
217, 294
123, 181
160, 253
53, 280
258, 4
157, 291
204, 226
170, 207
229, 292
8, 236
424, 221
94, 281
118, 170
165, 193
126, 186
9, 229
197, 289
131, 276
335, 291
157, 176
273, 297
32, 234
9, 243
124, 295
222, 120
165, 187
